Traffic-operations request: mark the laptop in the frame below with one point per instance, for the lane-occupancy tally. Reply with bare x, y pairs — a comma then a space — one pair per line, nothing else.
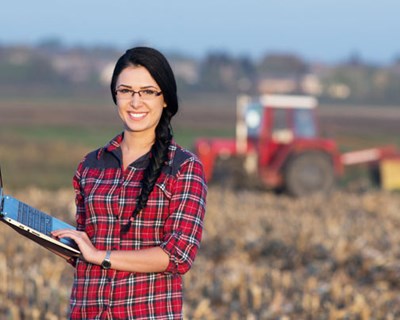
36, 225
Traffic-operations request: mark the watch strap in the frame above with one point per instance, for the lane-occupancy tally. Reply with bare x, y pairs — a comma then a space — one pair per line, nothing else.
106, 264
108, 255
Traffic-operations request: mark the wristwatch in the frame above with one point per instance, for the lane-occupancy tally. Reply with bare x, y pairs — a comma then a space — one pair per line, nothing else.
106, 264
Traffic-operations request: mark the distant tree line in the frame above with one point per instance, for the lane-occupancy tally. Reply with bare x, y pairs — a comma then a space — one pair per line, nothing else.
50, 66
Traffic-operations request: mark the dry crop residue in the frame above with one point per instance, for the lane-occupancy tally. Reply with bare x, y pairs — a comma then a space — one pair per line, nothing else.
262, 257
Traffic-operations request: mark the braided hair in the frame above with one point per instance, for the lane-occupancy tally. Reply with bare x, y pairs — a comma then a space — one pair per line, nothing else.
161, 71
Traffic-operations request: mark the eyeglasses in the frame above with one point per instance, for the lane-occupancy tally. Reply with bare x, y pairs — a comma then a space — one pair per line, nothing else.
145, 94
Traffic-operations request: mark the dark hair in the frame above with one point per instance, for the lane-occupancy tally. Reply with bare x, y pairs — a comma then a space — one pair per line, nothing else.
159, 68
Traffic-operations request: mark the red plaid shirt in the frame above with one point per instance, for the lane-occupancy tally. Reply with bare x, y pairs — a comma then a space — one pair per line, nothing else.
173, 220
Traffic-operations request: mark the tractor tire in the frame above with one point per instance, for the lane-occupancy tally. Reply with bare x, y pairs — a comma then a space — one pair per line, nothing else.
309, 173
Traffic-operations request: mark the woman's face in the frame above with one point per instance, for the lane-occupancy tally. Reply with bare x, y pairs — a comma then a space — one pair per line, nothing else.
139, 114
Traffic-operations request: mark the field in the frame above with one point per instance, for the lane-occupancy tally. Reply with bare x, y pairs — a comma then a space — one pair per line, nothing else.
263, 256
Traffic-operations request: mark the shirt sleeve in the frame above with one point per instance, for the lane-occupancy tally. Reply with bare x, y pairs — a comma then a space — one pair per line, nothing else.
80, 206
183, 228
79, 199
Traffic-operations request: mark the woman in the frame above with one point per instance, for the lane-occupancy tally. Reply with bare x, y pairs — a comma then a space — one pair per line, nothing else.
140, 203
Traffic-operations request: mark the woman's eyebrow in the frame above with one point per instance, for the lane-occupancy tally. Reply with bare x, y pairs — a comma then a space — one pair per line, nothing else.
149, 86
143, 87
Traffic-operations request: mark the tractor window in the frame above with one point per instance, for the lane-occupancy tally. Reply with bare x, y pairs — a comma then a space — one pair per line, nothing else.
281, 131
304, 125
280, 119
253, 119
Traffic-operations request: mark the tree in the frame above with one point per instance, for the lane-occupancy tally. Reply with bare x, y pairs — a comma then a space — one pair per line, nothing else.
282, 65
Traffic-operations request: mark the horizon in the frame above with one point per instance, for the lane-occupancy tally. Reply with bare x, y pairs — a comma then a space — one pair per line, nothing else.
327, 32
356, 56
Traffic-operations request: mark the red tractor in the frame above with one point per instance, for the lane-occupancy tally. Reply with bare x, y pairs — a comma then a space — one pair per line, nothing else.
277, 146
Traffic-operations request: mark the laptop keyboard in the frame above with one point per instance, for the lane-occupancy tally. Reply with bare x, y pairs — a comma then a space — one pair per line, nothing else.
34, 218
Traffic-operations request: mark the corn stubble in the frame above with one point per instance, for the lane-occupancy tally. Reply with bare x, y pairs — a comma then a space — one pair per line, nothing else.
262, 257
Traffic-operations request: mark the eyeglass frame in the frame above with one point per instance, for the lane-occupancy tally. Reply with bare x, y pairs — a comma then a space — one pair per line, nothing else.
139, 92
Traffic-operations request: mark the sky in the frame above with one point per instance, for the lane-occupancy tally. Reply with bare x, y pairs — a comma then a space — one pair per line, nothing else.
325, 30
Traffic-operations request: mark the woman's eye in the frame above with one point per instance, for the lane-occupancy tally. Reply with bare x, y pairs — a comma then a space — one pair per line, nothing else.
148, 92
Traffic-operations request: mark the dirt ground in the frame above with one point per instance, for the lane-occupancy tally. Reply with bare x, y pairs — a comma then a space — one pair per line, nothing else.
262, 257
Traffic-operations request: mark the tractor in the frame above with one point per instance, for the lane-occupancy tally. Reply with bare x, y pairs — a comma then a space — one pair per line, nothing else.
278, 147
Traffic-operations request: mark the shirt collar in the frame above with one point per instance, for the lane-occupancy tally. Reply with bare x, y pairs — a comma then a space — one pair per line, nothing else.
115, 143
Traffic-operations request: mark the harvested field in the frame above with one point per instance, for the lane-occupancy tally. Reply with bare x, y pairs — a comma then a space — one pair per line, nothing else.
262, 257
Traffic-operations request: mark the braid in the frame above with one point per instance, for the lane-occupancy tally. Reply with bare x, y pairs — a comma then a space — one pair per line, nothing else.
159, 155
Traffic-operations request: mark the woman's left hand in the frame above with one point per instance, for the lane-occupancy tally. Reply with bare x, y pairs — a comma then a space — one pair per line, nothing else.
88, 250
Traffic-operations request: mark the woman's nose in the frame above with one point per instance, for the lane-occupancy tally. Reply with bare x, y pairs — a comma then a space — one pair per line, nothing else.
136, 99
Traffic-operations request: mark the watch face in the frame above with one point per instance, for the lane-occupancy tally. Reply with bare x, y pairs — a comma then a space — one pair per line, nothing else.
106, 264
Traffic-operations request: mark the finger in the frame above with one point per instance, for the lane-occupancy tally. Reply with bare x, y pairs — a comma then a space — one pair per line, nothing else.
65, 231
59, 231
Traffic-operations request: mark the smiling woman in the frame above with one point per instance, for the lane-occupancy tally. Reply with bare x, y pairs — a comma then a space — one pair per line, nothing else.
139, 110
140, 203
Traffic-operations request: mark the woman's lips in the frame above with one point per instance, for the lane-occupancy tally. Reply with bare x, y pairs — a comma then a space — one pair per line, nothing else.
137, 115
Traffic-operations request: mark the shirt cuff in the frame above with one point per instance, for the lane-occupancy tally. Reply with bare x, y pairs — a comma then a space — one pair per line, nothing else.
169, 246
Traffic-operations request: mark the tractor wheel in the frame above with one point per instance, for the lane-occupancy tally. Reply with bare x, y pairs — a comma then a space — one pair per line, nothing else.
309, 173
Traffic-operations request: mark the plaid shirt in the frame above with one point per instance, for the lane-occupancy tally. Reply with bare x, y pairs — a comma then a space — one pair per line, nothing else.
173, 220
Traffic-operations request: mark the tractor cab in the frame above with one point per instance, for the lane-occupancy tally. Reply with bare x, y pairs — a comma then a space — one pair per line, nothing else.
276, 119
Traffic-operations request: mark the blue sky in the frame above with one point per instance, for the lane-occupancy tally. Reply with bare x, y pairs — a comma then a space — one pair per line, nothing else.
324, 30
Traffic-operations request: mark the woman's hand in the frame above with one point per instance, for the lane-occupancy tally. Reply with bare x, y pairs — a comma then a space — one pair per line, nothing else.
88, 250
